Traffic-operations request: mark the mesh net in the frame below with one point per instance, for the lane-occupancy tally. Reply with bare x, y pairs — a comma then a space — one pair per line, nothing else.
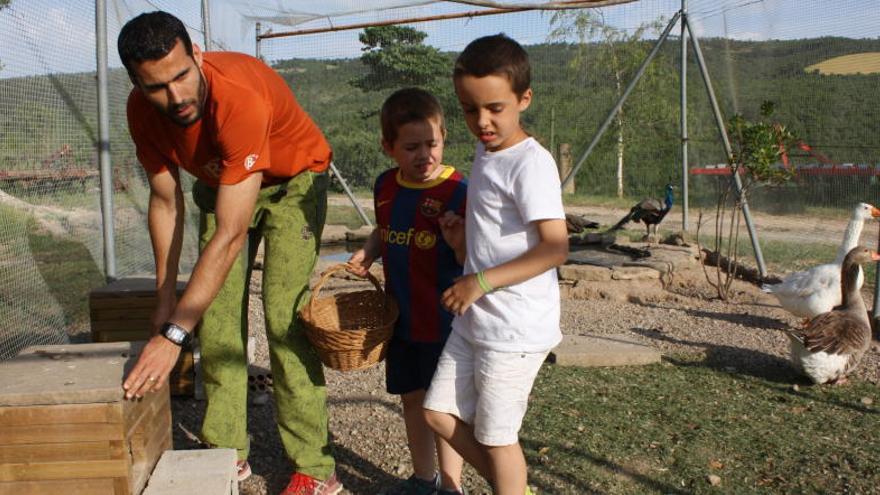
821, 69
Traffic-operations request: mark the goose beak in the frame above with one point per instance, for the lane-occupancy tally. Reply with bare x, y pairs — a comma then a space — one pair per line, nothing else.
875, 212
875, 256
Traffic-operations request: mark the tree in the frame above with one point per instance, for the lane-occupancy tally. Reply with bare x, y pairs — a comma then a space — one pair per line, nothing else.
617, 54
756, 149
396, 57
3, 4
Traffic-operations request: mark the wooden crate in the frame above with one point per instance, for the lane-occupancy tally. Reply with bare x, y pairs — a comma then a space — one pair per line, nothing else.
120, 311
65, 426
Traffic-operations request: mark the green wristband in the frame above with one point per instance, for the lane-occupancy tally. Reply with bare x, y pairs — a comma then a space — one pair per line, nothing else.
484, 284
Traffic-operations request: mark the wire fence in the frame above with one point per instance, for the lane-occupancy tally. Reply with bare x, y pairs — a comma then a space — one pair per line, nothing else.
821, 69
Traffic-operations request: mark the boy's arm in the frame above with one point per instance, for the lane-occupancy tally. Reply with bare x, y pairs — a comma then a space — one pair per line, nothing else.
360, 262
551, 251
452, 228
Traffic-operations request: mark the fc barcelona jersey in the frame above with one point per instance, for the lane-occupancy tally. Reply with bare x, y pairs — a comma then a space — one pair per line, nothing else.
419, 265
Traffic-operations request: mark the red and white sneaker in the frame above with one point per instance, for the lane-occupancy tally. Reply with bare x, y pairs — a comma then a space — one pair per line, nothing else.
301, 484
244, 470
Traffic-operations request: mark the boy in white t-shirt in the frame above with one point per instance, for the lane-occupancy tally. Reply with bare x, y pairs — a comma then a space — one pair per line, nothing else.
508, 300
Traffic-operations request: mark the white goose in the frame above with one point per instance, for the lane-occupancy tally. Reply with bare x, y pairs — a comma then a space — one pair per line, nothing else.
833, 343
815, 291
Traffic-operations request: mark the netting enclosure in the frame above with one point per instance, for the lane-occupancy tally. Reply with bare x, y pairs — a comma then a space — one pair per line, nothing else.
819, 66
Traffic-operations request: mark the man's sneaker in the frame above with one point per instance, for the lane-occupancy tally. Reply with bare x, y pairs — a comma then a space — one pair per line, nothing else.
244, 470
302, 484
413, 486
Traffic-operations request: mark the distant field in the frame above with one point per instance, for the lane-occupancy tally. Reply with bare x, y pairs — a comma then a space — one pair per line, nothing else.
857, 63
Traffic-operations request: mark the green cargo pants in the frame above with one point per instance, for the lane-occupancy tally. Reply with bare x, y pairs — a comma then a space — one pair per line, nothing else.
289, 217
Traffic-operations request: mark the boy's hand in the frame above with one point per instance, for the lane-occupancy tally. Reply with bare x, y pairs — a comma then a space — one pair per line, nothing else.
359, 263
462, 294
452, 229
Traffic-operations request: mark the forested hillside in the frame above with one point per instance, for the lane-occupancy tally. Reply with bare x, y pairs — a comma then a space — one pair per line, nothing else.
836, 114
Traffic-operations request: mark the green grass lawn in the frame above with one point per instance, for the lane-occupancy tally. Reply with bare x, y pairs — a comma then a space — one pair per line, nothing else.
347, 215
666, 428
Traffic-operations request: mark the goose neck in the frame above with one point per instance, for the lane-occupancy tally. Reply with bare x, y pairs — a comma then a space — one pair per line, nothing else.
850, 238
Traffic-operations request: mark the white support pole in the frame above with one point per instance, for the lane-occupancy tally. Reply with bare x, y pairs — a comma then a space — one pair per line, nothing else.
206, 24
258, 42
103, 142
350, 195
685, 191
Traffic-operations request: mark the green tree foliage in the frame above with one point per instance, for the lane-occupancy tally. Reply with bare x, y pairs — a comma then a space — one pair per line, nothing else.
758, 147
3, 3
604, 53
396, 57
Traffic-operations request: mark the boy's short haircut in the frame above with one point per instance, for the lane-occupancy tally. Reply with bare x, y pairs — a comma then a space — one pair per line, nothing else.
408, 105
495, 55
151, 36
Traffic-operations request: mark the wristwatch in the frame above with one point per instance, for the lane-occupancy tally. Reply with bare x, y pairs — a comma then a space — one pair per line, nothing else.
176, 333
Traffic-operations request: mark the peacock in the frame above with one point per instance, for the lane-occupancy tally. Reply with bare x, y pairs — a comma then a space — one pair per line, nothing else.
649, 210
576, 224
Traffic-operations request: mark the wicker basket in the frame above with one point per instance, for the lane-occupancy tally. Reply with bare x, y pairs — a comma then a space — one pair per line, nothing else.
351, 330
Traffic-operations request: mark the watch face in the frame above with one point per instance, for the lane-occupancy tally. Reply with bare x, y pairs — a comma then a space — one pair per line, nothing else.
175, 334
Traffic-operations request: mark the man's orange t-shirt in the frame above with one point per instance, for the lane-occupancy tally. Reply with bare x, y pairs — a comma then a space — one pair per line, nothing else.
251, 121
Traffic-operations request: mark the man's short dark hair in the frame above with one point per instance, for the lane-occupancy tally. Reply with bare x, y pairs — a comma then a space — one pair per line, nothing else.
496, 55
151, 36
405, 106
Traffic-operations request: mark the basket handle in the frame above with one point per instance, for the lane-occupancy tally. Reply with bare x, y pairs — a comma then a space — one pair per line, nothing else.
330, 271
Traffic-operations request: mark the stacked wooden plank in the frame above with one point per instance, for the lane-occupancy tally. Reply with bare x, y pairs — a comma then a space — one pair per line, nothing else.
65, 426
120, 311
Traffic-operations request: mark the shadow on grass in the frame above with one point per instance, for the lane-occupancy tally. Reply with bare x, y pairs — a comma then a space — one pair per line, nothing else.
728, 358
764, 366
579, 485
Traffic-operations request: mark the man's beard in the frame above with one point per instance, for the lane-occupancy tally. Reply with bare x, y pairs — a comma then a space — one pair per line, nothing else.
198, 104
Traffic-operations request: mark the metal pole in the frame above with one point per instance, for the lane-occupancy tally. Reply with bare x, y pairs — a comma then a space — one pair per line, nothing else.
623, 98
348, 193
104, 140
206, 24
258, 42
719, 121
685, 191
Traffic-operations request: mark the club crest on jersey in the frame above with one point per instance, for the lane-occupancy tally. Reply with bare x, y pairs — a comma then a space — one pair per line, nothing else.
430, 207
425, 239
250, 160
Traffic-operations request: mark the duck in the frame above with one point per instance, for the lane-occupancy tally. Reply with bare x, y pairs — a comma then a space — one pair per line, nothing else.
809, 293
833, 343
651, 211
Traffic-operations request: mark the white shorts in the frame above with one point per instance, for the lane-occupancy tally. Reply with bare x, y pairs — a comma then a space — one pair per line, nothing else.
484, 388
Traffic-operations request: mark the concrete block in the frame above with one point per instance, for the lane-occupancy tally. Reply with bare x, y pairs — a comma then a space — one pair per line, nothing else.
184, 472
584, 272
603, 350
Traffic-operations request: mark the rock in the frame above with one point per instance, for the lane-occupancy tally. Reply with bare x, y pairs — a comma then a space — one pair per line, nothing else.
584, 272
603, 350
634, 273
714, 480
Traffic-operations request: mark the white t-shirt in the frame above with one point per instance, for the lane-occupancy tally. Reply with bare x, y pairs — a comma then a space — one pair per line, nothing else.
507, 190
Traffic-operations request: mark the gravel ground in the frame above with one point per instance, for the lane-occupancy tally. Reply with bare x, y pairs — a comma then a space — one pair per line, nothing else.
743, 335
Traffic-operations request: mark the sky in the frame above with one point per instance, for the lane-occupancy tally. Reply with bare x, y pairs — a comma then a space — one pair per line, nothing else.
47, 36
